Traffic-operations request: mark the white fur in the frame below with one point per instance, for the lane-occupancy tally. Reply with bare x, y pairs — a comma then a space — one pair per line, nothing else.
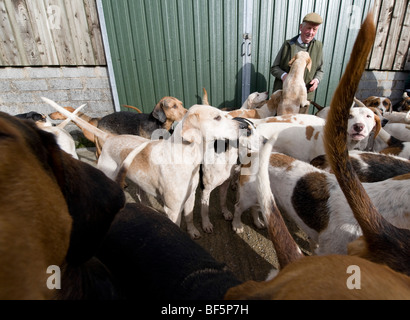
398, 130
381, 144
221, 171
64, 139
305, 141
391, 198
168, 169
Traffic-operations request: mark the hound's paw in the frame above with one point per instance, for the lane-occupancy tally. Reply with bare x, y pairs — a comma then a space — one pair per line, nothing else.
208, 227
228, 216
259, 224
194, 233
237, 227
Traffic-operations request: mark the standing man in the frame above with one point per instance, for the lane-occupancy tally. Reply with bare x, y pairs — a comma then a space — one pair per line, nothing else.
305, 41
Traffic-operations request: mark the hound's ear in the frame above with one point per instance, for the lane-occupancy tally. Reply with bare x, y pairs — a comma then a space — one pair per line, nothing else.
368, 100
159, 113
377, 126
274, 101
292, 61
309, 64
190, 129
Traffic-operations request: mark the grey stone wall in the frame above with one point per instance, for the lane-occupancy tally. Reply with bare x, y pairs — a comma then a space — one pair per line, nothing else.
21, 90
382, 83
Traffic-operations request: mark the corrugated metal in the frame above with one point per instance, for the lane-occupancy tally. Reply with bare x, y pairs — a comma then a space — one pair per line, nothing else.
276, 21
176, 47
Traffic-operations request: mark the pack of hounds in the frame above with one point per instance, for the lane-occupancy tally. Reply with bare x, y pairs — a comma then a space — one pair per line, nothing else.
342, 175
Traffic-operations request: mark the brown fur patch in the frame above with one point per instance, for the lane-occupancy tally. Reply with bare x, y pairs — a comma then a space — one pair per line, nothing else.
244, 178
310, 199
141, 161
403, 177
394, 150
274, 101
248, 113
309, 132
320, 162
287, 118
279, 160
35, 224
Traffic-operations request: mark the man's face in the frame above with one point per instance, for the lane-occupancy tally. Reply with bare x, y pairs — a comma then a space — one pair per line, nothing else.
308, 31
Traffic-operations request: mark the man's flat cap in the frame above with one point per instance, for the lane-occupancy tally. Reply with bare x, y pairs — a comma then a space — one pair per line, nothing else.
313, 18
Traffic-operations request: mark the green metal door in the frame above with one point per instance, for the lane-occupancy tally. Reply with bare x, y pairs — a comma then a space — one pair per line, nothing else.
178, 47
276, 21
175, 47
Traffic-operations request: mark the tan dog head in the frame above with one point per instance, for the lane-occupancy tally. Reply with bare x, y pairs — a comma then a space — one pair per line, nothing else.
169, 109
302, 55
257, 99
381, 103
59, 116
206, 123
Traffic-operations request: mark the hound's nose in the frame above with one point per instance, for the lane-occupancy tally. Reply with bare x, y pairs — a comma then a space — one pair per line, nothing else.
358, 127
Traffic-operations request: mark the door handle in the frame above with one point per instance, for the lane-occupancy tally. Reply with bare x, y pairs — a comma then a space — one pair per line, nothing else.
249, 49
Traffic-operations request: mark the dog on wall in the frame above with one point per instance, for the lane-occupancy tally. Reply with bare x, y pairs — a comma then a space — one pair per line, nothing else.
294, 93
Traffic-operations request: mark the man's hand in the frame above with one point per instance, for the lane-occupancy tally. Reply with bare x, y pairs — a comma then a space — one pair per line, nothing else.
313, 85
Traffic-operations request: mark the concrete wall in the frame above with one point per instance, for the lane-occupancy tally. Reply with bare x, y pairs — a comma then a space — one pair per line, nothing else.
21, 90
382, 83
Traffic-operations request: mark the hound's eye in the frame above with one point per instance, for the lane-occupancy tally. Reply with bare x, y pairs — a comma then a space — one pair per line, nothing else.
218, 118
350, 116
